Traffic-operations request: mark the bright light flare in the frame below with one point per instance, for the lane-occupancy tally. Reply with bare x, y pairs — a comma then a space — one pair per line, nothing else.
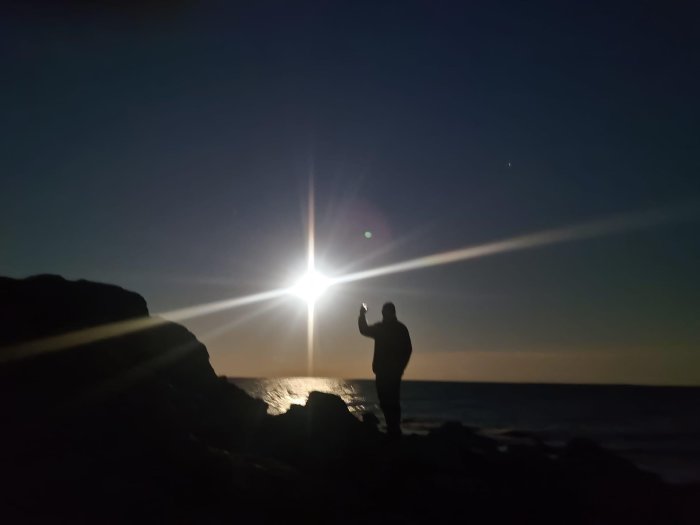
617, 224
311, 286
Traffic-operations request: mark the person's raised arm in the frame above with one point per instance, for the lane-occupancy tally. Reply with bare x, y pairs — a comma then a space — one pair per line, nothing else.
365, 329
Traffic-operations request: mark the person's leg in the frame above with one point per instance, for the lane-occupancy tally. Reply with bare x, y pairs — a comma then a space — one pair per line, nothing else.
394, 406
388, 391
380, 383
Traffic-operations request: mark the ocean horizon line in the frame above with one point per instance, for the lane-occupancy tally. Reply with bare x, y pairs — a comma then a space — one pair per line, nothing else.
470, 382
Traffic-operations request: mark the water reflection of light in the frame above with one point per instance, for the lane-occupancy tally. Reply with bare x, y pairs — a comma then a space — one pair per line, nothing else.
281, 393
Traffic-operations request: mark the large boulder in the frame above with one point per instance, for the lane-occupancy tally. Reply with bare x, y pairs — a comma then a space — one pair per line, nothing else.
322, 430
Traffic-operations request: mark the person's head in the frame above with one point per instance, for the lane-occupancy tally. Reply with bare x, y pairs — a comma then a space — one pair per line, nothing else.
389, 311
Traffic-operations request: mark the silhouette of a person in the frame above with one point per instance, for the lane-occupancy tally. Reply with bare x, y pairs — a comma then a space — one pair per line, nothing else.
392, 350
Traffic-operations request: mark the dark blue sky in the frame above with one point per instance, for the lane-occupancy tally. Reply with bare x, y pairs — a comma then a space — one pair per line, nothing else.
167, 148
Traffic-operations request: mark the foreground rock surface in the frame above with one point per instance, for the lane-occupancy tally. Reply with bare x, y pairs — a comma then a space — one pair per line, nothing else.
137, 428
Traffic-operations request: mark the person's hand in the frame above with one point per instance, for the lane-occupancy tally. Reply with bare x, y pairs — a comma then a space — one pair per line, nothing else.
363, 309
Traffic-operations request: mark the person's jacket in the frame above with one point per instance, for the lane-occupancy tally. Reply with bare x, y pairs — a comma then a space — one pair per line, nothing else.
392, 345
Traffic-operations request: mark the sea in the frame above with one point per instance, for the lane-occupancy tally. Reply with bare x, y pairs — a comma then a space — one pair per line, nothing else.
658, 428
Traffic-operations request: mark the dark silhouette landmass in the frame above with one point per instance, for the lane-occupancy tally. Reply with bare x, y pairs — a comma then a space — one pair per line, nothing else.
138, 428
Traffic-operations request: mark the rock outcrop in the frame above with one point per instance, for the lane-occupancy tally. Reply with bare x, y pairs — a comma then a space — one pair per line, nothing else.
94, 391
78, 347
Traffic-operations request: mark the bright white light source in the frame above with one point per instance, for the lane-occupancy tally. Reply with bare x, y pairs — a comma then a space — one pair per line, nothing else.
311, 286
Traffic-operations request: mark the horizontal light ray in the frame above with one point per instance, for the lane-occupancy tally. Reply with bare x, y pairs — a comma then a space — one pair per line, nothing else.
77, 338
119, 328
226, 304
238, 321
615, 225
386, 248
141, 370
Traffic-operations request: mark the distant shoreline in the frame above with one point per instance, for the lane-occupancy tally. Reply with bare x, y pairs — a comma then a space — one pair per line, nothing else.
504, 383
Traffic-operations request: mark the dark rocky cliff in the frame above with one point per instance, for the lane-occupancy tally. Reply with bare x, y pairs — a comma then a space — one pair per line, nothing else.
97, 349
118, 407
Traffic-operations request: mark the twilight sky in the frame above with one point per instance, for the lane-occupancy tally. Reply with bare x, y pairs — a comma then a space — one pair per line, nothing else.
167, 148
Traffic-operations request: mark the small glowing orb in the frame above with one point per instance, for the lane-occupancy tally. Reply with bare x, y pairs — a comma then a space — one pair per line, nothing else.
368, 234
311, 286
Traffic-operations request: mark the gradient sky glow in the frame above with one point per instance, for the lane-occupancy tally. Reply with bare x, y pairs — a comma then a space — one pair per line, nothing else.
168, 148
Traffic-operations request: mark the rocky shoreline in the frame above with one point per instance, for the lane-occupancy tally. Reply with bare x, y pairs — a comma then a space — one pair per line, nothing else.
136, 427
